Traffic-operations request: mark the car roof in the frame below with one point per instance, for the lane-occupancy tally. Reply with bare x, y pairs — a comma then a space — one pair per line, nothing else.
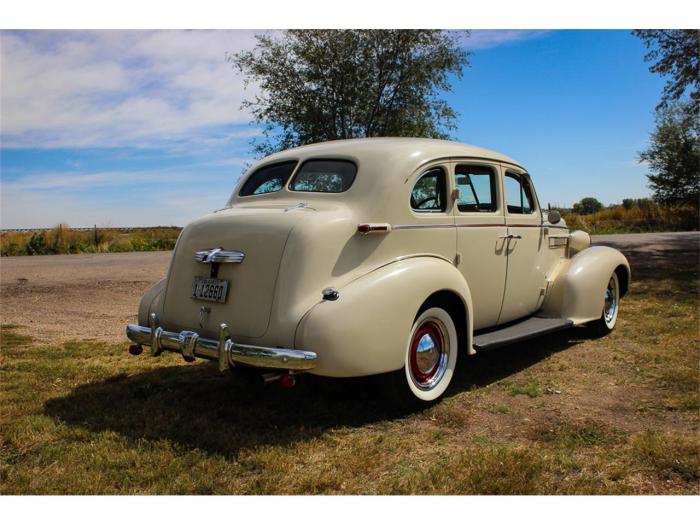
418, 150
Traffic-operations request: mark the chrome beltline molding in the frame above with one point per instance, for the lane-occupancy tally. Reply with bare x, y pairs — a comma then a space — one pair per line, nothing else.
421, 226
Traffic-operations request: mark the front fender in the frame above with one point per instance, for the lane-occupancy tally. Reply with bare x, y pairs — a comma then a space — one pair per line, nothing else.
578, 291
151, 301
366, 330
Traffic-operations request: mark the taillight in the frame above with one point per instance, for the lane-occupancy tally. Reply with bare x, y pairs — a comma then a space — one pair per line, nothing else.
365, 228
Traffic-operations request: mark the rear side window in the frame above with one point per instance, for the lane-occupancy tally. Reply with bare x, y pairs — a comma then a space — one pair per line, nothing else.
324, 176
518, 194
477, 188
268, 179
430, 194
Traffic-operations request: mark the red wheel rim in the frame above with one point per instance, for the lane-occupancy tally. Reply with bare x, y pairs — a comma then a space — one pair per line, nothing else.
420, 373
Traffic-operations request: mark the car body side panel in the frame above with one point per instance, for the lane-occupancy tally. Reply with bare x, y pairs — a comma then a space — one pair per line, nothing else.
366, 330
578, 290
482, 251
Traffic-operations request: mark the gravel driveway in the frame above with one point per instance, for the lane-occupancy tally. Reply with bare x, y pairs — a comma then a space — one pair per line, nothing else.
60, 297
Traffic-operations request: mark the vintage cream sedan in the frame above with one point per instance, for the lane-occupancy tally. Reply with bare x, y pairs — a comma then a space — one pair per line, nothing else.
370, 256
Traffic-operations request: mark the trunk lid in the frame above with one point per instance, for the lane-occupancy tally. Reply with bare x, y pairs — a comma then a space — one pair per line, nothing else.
261, 234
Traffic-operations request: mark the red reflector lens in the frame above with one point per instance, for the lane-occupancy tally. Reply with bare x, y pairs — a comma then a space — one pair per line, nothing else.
287, 381
135, 349
363, 228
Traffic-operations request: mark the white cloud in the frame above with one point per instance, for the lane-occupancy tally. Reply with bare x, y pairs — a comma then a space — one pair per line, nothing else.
19, 209
63, 89
487, 38
65, 181
109, 197
118, 88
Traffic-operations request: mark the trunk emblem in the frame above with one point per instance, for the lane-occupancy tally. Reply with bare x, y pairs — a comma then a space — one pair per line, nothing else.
219, 255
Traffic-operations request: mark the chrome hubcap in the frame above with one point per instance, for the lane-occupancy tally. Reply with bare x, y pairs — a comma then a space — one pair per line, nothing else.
610, 301
430, 350
428, 353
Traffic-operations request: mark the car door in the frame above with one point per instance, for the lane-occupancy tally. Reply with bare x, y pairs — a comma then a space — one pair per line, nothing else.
481, 228
525, 272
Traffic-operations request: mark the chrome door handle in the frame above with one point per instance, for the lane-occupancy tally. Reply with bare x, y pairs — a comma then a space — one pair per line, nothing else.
511, 236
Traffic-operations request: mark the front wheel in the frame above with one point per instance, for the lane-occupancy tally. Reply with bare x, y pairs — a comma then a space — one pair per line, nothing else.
611, 306
430, 361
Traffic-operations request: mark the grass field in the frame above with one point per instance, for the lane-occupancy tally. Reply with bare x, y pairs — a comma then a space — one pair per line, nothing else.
650, 218
564, 414
63, 240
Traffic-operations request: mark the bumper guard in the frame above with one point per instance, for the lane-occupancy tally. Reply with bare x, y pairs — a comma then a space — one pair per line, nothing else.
226, 352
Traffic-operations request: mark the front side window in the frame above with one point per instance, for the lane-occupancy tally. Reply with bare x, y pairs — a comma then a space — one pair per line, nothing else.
477, 188
518, 194
324, 176
268, 179
429, 193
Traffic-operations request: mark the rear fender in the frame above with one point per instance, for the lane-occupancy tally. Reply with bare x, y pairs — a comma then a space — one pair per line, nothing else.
366, 330
578, 290
151, 302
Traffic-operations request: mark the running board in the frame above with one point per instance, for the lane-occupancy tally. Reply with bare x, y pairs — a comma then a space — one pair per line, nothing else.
527, 329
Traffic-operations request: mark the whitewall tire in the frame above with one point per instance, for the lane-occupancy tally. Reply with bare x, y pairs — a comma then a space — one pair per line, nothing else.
430, 359
611, 307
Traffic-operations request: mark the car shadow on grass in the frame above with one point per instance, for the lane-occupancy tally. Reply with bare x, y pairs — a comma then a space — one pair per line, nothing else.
195, 407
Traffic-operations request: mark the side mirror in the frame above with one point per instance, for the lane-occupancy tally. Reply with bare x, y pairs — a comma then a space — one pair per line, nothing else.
553, 216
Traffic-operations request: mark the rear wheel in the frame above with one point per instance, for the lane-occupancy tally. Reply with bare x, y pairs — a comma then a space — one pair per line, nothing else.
430, 360
611, 306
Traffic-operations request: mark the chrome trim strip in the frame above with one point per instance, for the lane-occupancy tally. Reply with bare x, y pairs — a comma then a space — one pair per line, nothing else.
480, 225
558, 241
224, 350
219, 255
420, 226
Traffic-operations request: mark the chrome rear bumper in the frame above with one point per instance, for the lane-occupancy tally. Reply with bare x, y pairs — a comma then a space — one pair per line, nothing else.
224, 350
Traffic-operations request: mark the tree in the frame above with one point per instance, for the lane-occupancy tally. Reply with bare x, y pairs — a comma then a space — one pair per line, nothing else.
643, 203
320, 85
673, 156
675, 53
587, 205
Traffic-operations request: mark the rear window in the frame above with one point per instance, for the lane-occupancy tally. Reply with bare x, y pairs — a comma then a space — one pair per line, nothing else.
324, 176
268, 179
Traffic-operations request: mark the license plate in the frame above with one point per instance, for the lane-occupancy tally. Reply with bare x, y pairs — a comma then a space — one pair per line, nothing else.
206, 289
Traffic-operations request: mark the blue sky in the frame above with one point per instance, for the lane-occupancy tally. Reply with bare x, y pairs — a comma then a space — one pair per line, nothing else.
130, 128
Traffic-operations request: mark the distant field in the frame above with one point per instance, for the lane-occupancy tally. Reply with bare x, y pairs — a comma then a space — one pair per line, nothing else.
64, 240
562, 414
651, 218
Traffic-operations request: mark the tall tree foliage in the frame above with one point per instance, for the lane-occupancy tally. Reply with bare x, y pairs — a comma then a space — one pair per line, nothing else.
319, 85
674, 152
675, 53
673, 156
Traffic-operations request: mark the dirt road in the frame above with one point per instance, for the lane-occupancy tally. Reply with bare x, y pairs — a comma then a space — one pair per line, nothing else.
60, 297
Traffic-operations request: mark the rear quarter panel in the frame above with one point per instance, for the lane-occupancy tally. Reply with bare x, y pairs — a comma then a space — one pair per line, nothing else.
366, 330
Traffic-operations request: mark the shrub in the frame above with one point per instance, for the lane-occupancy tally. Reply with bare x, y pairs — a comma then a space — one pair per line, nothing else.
63, 239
